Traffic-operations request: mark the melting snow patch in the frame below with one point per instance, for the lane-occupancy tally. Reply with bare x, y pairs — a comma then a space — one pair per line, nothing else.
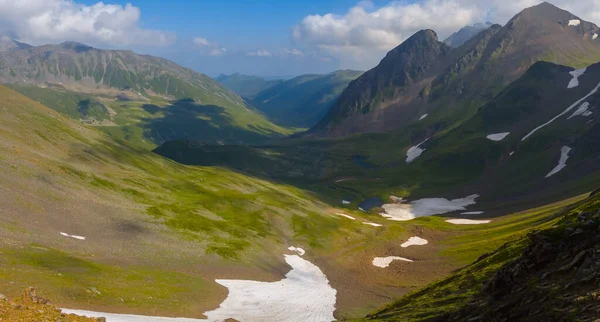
298, 250
372, 224
423, 116
425, 207
73, 236
384, 262
498, 136
349, 217
304, 295
417, 241
563, 113
414, 152
472, 213
467, 221
575, 80
562, 162
513, 152
595, 36
582, 110
574, 22
113, 317
345, 202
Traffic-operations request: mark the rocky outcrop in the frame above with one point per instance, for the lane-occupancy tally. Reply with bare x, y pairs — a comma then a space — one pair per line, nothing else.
34, 308
555, 279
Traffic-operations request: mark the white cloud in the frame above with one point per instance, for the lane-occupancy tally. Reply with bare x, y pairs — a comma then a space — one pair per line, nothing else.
293, 52
209, 48
364, 34
202, 42
51, 21
218, 51
260, 53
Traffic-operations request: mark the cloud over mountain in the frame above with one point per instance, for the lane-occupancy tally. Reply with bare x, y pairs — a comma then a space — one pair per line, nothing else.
365, 33
51, 21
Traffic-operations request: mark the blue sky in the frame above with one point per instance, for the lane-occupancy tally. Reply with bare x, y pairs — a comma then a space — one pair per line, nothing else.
259, 37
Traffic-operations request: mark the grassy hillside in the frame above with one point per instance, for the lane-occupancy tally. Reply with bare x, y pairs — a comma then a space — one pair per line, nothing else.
478, 290
135, 208
141, 99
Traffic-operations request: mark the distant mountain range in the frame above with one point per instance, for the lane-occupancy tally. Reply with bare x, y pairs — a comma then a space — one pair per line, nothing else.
245, 85
304, 100
460, 37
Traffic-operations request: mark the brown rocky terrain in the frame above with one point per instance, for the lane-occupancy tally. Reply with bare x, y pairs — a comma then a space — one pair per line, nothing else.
33, 308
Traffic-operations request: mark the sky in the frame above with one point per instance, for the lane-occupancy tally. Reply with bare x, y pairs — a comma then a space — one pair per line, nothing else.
258, 37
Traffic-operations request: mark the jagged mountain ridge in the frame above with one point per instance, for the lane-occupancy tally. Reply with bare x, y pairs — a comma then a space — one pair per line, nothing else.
463, 80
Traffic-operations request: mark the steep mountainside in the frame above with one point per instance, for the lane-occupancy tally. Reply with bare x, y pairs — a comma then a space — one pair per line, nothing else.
510, 149
465, 77
304, 100
460, 37
245, 85
138, 98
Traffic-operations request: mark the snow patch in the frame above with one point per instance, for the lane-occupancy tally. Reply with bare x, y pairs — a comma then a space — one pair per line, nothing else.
574, 22
498, 136
575, 80
372, 224
595, 36
467, 221
384, 262
298, 250
562, 162
344, 215
345, 202
417, 241
425, 207
113, 317
73, 236
304, 295
423, 117
513, 152
414, 152
563, 113
472, 213
582, 110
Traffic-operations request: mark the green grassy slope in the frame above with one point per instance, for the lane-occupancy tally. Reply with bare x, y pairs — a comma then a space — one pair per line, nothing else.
133, 207
97, 85
468, 289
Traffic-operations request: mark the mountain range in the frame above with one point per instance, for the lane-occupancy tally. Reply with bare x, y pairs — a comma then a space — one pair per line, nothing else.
142, 99
425, 76
245, 85
134, 185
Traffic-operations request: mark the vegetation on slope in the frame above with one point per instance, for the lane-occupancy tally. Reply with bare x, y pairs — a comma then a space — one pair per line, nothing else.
97, 85
550, 274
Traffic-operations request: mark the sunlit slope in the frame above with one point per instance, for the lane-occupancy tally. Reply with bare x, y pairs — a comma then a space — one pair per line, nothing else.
155, 231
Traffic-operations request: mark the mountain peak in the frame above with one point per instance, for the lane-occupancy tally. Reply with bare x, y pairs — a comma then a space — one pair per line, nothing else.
426, 34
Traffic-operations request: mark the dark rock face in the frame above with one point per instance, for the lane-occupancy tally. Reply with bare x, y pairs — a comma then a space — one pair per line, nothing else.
555, 279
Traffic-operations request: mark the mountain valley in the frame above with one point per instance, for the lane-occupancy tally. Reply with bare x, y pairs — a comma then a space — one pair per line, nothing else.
457, 180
